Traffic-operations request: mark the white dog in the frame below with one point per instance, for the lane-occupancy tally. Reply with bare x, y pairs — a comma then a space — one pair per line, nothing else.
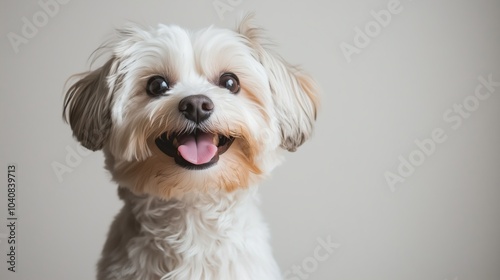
189, 124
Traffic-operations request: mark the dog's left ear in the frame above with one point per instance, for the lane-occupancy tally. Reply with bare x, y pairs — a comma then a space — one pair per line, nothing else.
295, 94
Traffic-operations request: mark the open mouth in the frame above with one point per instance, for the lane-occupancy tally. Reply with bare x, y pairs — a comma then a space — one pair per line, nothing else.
197, 150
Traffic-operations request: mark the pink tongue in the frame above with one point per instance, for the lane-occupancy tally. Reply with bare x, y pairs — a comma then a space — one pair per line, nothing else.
197, 149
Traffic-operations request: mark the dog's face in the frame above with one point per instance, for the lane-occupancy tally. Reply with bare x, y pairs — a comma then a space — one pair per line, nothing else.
176, 111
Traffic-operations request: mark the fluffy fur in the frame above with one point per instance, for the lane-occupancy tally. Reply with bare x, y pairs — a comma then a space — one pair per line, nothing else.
183, 221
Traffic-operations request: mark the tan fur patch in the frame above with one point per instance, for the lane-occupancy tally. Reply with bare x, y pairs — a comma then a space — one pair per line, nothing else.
311, 89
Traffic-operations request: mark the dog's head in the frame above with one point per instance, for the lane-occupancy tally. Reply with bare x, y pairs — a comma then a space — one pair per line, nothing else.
176, 111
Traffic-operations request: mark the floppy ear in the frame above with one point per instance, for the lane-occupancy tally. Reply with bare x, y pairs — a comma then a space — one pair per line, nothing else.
295, 94
87, 107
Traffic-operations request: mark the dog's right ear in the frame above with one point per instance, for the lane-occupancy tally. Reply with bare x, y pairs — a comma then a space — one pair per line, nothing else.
87, 107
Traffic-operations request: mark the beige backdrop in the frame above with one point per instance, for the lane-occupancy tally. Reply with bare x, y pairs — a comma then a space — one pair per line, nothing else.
401, 177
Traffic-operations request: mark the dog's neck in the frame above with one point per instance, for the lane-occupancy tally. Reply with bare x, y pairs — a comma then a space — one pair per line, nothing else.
216, 212
214, 230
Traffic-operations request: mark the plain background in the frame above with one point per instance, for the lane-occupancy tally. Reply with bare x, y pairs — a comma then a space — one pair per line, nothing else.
442, 222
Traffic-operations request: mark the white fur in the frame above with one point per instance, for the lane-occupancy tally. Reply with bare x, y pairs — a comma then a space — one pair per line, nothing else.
179, 223
210, 236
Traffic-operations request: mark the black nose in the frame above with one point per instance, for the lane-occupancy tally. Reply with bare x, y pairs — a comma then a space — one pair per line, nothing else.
196, 107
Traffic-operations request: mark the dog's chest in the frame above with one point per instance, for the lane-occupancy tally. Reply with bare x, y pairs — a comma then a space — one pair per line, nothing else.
203, 238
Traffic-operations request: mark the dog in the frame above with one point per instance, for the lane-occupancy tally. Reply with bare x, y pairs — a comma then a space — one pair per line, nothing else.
189, 123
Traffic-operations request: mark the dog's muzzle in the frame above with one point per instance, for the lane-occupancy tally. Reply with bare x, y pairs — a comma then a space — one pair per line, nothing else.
198, 149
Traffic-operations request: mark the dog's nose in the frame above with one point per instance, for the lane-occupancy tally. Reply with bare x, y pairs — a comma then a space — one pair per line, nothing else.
196, 107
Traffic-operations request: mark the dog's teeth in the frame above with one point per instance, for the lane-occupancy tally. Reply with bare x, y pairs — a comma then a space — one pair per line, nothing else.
216, 139
175, 142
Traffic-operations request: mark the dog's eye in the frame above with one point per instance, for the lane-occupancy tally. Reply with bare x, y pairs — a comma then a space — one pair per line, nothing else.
230, 81
157, 86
